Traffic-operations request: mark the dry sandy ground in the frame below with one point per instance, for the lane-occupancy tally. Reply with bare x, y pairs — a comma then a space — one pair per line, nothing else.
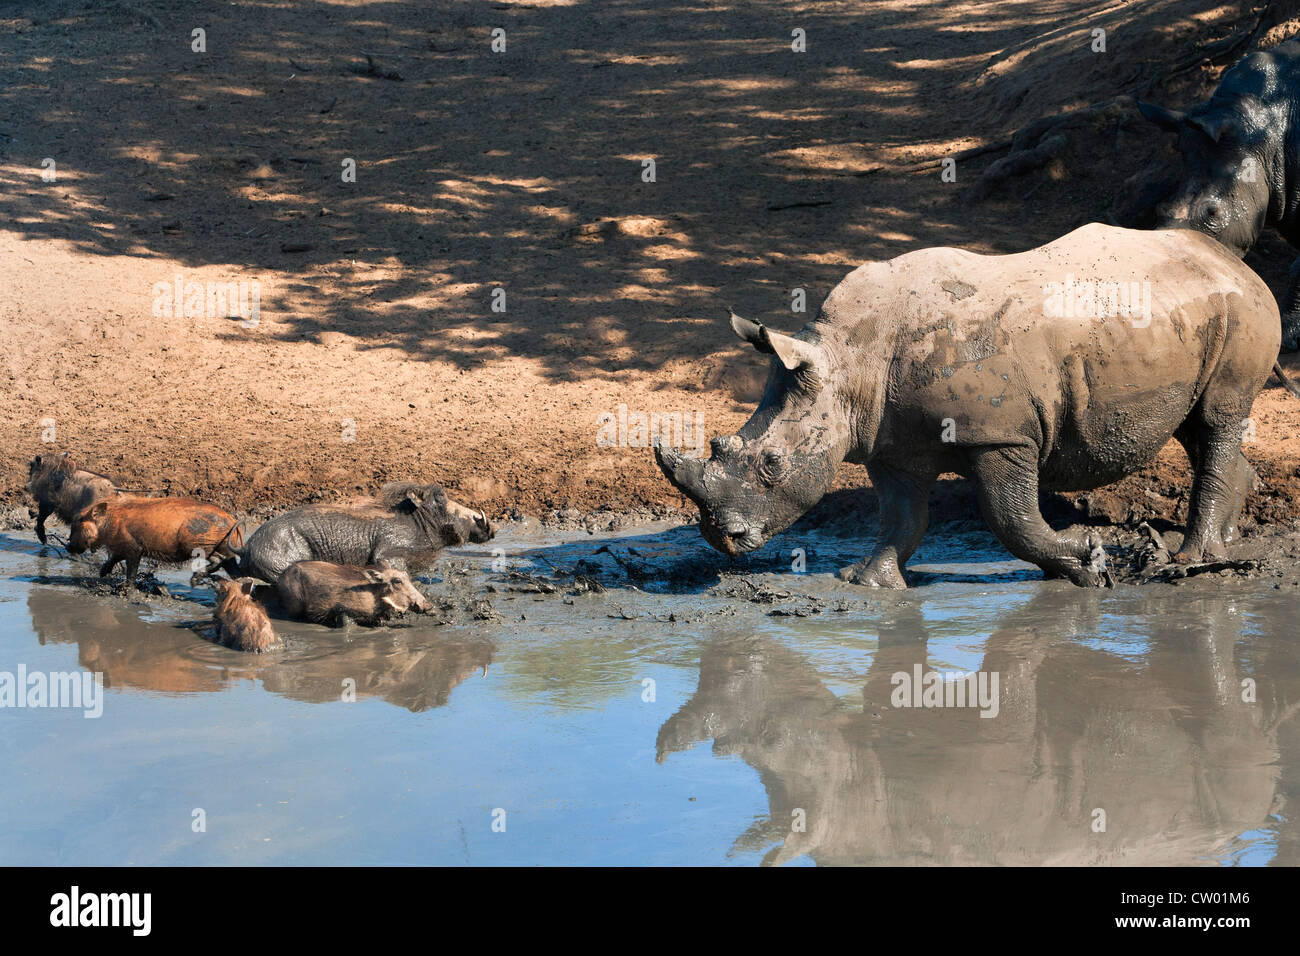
520, 170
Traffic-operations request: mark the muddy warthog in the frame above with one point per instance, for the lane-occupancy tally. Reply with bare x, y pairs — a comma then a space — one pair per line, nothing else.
170, 530
241, 622
407, 524
61, 488
333, 594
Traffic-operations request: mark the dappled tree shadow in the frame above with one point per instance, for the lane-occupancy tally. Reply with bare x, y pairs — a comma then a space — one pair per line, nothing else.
522, 170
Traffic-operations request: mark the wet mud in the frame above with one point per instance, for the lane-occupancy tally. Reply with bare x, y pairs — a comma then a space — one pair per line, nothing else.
676, 707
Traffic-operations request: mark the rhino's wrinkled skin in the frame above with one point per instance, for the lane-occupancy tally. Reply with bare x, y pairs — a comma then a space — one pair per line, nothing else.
946, 361
1241, 153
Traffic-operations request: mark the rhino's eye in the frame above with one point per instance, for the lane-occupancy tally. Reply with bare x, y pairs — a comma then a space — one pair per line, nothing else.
771, 465
1212, 213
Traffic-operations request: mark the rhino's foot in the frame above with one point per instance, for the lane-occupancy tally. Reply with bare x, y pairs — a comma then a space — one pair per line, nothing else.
1088, 571
866, 574
1193, 553
1082, 575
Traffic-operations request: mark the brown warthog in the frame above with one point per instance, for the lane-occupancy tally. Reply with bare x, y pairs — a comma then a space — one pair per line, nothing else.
170, 530
327, 593
61, 488
241, 622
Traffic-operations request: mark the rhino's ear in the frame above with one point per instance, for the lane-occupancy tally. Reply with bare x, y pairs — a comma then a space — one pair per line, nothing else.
1170, 120
794, 353
1218, 125
750, 332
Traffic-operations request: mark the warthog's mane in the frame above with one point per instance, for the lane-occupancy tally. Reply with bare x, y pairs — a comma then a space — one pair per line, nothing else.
64, 466
55, 465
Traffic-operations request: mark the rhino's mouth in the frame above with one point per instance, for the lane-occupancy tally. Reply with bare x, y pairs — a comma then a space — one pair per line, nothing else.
733, 537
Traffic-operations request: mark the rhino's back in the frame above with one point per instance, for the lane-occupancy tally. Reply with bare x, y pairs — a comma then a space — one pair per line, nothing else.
1270, 75
963, 294
1010, 348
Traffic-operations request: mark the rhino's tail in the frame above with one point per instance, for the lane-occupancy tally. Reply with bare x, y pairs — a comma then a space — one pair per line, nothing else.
1286, 380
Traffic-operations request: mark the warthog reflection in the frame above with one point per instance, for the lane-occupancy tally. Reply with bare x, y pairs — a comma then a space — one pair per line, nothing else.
1164, 745
413, 669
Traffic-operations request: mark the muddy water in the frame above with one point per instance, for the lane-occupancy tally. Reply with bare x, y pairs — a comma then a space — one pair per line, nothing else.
693, 712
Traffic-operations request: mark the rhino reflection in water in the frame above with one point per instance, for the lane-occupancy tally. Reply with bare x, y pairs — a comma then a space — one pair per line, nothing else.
417, 671
1168, 749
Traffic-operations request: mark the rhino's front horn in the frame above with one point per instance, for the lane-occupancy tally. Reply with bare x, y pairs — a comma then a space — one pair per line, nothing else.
686, 473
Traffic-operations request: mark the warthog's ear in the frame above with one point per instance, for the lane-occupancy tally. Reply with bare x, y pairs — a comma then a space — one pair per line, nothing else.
374, 576
247, 585
1170, 120
795, 354
98, 510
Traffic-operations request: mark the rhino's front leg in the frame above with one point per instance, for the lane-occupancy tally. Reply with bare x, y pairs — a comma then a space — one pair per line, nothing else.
904, 515
1007, 479
1291, 310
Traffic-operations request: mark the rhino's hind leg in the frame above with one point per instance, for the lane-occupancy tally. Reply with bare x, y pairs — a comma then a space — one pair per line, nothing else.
904, 515
1290, 307
1222, 480
1007, 479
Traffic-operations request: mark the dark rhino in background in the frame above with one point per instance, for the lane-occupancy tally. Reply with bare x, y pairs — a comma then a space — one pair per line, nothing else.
946, 361
407, 525
1241, 155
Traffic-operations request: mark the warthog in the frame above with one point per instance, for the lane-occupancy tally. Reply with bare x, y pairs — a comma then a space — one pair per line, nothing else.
241, 622
170, 530
407, 524
61, 488
332, 594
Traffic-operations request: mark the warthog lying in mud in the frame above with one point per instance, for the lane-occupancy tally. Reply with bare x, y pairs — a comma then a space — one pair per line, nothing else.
61, 488
333, 594
170, 530
407, 524
240, 621
946, 361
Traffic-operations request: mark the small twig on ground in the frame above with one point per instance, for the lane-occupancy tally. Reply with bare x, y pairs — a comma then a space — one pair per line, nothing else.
371, 69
